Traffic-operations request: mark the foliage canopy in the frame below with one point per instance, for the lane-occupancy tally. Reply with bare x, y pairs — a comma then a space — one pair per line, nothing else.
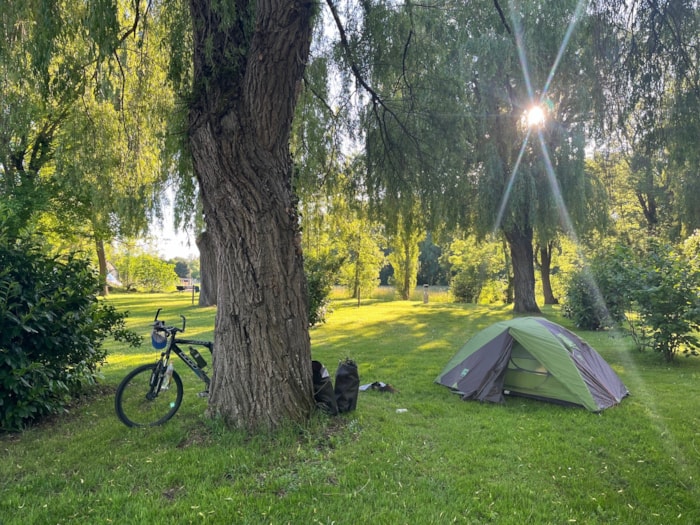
51, 329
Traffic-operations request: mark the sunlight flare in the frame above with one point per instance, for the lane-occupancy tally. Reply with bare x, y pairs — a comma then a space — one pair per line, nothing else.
535, 116
509, 186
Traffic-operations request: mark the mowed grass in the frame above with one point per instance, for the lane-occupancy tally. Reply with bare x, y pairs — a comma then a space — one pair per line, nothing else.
441, 461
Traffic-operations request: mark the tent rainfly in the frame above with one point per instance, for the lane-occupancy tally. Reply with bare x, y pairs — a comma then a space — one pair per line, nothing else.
532, 357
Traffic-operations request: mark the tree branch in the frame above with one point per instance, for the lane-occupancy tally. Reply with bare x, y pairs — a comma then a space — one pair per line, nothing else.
376, 99
503, 18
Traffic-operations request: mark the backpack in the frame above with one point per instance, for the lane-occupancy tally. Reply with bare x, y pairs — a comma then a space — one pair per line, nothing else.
324, 395
347, 385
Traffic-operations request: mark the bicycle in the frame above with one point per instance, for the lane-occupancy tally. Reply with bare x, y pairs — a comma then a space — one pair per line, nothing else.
151, 394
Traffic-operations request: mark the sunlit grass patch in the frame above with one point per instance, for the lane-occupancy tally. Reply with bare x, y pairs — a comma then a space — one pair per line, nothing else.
438, 460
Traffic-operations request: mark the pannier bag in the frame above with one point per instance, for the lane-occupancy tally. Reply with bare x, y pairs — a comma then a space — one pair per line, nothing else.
323, 389
347, 385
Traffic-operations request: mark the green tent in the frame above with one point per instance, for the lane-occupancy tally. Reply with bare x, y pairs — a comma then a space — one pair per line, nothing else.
532, 357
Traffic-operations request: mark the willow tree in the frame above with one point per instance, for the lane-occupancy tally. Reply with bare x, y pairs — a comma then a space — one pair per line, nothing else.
82, 112
405, 245
248, 61
529, 173
654, 90
401, 63
445, 91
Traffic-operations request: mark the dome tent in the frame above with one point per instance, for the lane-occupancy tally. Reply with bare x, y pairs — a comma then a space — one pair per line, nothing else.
532, 357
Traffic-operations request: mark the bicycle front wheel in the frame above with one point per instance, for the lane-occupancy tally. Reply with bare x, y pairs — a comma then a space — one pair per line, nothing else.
138, 404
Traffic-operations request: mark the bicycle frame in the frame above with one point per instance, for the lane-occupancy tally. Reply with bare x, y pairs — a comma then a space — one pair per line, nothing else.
172, 346
152, 393
191, 364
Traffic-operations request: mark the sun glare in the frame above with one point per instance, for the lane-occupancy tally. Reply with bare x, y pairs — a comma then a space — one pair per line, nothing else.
535, 116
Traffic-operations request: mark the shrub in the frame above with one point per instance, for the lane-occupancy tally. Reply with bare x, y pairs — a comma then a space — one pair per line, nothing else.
474, 266
466, 285
598, 296
321, 273
51, 330
655, 292
667, 301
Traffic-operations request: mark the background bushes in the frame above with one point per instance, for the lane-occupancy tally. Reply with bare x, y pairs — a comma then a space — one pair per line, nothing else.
321, 272
653, 292
51, 330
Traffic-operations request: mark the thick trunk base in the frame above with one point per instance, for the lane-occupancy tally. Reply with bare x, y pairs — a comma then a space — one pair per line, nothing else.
522, 256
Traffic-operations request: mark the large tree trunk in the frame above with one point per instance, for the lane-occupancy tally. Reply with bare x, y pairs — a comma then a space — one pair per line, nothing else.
520, 243
246, 75
509, 274
102, 265
207, 267
545, 273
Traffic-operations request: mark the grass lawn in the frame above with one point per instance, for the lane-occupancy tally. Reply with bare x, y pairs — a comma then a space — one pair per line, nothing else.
441, 461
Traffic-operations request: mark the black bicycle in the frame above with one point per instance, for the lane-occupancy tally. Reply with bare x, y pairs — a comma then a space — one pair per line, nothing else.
151, 394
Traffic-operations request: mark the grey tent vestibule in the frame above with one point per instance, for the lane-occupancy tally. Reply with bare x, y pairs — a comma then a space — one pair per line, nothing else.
532, 357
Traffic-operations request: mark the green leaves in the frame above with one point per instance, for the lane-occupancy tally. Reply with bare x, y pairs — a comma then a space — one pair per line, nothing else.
655, 291
51, 330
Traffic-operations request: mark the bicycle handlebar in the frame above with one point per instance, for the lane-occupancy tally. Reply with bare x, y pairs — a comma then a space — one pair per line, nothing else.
170, 330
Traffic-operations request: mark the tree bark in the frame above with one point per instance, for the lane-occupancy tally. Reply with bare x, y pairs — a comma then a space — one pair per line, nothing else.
102, 265
521, 252
545, 273
509, 274
246, 76
207, 267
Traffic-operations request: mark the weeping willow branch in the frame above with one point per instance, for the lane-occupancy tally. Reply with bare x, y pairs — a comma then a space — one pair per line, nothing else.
377, 100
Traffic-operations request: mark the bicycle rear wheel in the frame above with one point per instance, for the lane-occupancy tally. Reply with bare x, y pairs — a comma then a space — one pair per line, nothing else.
138, 404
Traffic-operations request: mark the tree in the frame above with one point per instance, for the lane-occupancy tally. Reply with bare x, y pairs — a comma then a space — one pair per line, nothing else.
654, 100
447, 90
530, 175
430, 271
414, 128
207, 261
81, 117
543, 257
143, 271
248, 62
404, 257
182, 269
360, 269
153, 274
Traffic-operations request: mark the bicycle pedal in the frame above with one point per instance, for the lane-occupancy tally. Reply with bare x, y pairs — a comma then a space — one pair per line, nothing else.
203, 394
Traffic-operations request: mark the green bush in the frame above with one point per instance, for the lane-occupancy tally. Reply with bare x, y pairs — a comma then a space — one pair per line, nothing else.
475, 265
321, 273
51, 330
598, 296
654, 292
466, 285
667, 301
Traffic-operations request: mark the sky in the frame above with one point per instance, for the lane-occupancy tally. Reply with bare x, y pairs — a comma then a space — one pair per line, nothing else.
173, 244
166, 241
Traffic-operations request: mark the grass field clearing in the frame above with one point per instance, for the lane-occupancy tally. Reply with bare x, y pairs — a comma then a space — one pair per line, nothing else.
441, 461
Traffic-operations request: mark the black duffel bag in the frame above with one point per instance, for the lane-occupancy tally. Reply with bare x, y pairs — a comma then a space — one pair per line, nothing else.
347, 385
323, 389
